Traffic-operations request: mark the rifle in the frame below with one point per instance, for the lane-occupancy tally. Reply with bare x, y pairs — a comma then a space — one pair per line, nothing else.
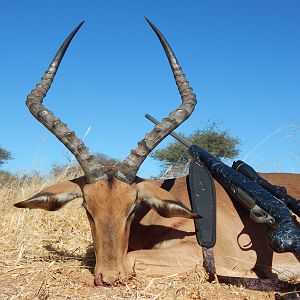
263, 206
278, 191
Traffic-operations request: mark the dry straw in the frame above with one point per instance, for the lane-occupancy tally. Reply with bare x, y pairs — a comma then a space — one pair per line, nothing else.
48, 255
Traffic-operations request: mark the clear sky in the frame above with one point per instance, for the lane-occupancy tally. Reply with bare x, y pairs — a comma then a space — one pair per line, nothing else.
242, 59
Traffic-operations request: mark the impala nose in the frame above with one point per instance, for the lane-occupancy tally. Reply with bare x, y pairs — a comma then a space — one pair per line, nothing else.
107, 280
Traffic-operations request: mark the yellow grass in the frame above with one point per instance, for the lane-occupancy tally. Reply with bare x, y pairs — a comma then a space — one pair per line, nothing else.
48, 255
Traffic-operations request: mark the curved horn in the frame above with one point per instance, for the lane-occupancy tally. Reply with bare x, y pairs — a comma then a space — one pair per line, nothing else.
89, 163
132, 163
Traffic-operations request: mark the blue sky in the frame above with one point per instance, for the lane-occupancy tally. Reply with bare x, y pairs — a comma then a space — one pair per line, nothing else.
242, 59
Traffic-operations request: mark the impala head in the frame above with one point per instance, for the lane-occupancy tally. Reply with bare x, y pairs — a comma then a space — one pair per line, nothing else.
112, 194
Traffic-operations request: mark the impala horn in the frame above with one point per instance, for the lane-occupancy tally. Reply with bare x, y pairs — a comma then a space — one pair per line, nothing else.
131, 164
89, 163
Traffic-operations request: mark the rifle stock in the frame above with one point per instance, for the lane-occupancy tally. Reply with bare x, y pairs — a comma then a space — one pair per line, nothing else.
286, 235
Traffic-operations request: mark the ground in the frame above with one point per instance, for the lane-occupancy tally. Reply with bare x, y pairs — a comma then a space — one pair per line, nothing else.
48, 255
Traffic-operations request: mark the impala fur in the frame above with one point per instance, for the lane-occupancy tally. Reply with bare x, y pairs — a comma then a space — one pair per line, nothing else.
152, 217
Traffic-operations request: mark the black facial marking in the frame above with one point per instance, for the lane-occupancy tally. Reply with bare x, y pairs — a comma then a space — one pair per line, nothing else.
110, 177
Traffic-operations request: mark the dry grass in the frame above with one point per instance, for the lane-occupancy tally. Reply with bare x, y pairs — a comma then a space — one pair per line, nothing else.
48, 255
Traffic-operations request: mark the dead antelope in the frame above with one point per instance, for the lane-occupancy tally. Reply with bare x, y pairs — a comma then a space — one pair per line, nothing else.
118, 203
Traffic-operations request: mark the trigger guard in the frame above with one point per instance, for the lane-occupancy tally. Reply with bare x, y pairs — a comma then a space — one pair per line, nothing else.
260, 216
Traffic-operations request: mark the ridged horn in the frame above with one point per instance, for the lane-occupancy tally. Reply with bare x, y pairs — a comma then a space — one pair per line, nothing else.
89, 163
131, 164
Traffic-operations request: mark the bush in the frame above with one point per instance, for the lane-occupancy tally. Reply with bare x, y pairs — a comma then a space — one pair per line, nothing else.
217, 142
4, 155
72, 169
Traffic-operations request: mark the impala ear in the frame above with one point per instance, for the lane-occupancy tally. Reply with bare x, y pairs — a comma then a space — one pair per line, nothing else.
55, 196
162, 201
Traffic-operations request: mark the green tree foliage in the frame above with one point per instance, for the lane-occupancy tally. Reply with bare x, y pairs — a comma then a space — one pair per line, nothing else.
4, 156
216, 141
